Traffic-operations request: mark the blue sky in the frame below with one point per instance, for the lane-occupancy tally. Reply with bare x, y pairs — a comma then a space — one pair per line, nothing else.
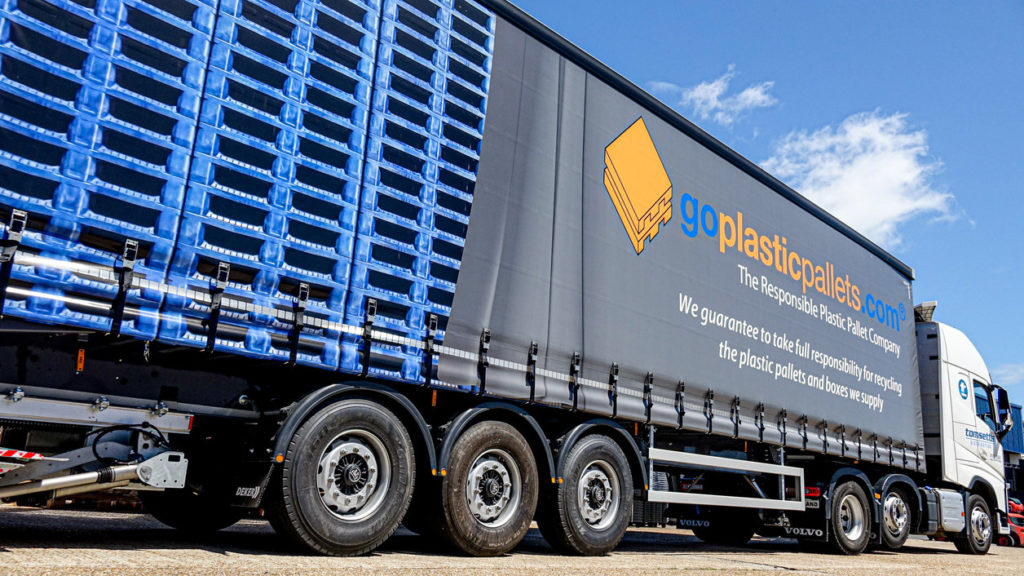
906, 119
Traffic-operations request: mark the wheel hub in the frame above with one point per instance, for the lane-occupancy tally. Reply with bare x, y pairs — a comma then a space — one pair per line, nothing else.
353, 475
598, 495
493, 487
895, 513
981, 526
851, 517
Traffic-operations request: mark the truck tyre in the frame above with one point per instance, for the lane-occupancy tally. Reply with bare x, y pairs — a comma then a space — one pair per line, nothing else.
489, 491
851, 519
976, 537
346, 480
896, 519
190, 511
727, 526
588, 514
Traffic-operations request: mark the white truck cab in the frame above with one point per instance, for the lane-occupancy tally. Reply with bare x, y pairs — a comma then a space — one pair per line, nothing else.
965, 417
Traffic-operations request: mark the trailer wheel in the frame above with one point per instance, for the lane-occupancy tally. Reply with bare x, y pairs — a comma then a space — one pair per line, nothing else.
489, 491
190, 511
589, 513
346, 480
977, 535
851, 519
896, 518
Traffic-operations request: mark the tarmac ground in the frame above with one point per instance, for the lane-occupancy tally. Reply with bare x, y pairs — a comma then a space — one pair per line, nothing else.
64, 542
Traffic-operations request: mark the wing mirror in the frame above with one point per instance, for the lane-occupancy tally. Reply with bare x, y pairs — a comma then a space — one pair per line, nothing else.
1003, 407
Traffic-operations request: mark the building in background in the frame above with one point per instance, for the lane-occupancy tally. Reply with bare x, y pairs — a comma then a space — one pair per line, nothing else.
1013, 447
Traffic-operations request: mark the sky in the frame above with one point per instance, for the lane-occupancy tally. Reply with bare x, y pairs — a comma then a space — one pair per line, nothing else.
904, 119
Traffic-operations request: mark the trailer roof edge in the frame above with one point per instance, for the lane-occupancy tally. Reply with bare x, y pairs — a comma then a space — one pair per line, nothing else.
531, 25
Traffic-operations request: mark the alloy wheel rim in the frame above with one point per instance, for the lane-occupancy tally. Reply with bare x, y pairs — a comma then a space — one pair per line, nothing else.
353, 475
851, 517
895, 513
494, 488
598, 494
981, 526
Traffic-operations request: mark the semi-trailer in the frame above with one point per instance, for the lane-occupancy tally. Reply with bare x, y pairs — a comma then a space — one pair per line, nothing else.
357, 263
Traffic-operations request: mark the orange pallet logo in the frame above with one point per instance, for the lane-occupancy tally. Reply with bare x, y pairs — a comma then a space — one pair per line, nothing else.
637, 183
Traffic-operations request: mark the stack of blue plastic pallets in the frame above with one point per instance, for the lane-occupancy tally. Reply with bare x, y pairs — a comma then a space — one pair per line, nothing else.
274, 186
426, 125
267, 149
99, 101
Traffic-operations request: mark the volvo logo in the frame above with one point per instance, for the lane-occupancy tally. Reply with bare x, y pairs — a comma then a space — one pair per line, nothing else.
694, 524
815, 532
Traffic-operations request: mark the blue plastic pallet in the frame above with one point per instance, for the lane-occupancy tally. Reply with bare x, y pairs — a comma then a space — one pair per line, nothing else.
324, 128
255, 335
308, 31
410, 297
416, 242
337, 166
397, 316
254, 235
272, 252
267, 266
289, 68
386, 360
240, 334
405, 198
98, 107
465, 88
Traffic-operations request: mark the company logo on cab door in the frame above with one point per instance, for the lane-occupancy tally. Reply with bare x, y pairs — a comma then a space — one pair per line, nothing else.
637, 184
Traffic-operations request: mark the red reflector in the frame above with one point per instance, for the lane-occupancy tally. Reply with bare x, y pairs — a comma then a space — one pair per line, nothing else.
812, 492
190, 423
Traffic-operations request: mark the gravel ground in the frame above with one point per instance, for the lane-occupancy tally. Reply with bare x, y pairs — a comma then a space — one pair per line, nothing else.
76, 543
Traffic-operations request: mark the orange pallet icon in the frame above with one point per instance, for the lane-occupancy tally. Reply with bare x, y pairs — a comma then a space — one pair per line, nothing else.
637, 184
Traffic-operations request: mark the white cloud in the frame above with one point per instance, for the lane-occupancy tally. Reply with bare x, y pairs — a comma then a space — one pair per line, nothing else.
1009, 375
709, 99
872, 171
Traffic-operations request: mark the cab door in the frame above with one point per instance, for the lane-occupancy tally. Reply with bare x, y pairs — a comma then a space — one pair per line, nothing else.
976, 448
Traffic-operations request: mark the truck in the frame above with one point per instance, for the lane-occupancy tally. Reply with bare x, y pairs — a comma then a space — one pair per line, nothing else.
351, 264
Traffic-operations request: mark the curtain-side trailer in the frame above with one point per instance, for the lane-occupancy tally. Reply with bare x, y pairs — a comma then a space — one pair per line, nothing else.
358, 263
